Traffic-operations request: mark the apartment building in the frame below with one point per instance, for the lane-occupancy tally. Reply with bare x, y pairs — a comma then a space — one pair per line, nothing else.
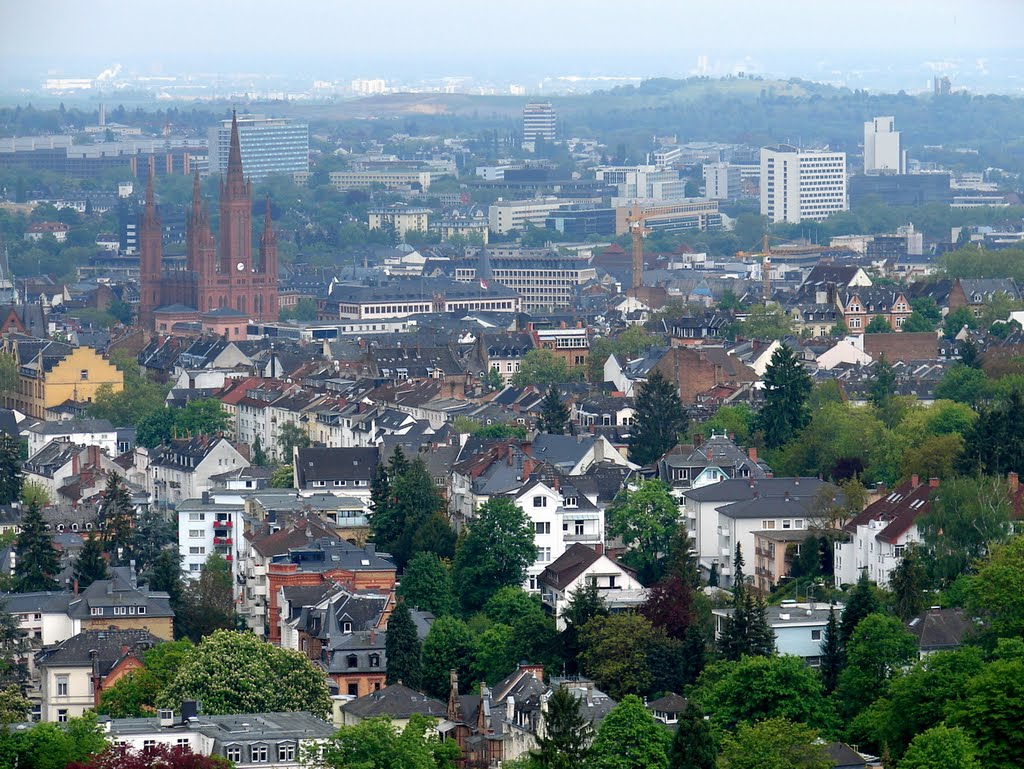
399, 219
544, 279
801, 184
354, 180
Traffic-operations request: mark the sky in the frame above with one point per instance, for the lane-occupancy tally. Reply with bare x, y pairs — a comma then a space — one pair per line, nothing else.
526, 39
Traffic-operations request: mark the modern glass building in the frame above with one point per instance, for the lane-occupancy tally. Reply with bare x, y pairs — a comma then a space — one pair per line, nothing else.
270, 146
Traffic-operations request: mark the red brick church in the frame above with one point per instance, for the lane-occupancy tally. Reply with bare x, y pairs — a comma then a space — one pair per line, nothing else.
217, 281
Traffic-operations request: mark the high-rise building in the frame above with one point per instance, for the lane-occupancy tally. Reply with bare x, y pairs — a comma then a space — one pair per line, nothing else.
883, 153
224, 278
721, 181
270, 146
800, 184
538, 123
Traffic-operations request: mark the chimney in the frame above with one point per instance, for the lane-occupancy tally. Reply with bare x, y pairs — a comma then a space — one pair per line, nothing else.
75, 588
74, 462
914, 481
1013, 480
933, 483
599, 548
206, 497
786, 496
510, 708
769, 474
373, 636
752, 453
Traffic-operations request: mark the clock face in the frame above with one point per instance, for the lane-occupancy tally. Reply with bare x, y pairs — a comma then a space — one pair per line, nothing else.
240, 266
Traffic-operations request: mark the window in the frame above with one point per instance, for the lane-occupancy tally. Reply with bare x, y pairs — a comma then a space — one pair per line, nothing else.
197, 516
96, 611
233, 753
815, 635
195, 566
148, 744
195, 533
183, 742
352, 661
142, 610
259, 754
374, 660
542, 528
84, 374
767, 524
540, 501
62, 686
787, 524
62, 716
286, 751
899, 550
346, 627
543, 554
196, 550
578, 528
353, 690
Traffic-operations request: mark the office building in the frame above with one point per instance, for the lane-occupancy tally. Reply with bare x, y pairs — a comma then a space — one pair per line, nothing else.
507, 215
270, 146
354, 180
643, 182
900, 190
543, 278
800, 184
722, 181
580, 223
690, 214
538, 123
883, 153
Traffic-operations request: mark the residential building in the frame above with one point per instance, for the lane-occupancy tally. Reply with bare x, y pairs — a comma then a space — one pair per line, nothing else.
346, 471
270, 146
207, 526
56, 230
582, 565
883, 152
246, 740
538, 123
87, 432
667, 709
544, 279
801, 184
799, 628
859, 306
396, 702
711, 461
74, 673
184, 468
399, 218
504, 216
774, 551
50, 373
70, 469
570, 344
722, 181
940, 630
504, 353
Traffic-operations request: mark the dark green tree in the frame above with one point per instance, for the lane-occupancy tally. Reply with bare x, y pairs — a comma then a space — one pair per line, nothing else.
117, 522
645, 517
629, 738
14, 649
495, 553
565, 741
380, 490
969, 354
398, 464
402, 648
289, 437
208, 602
585, 603
155, 428
448, 646
659, 418
36, 563
831, 653
90, 565
734, 641
164, 576
861, 603
878, 649
787, 388
693, 746
554, 416
154, 533
882, 386
908, 583
259, 456
10, 469
878, 325
427, 584
418, 507
994, 444
761, 637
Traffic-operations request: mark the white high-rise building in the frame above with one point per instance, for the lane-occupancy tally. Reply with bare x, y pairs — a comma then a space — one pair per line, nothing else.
721, 181
538, 123
270, 146
883, 153
799, 184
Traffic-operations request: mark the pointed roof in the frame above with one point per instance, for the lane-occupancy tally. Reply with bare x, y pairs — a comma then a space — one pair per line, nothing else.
149, 213
483, 267
235, 150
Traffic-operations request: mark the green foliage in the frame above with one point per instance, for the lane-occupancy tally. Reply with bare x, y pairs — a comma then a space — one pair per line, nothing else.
117, 522
34, 493
36, 562
629, 738
55, 746
787, 388
412, 518
207, 603
565, 741
963, 384
290, 436
137, 402
918, 322
775, 743
659, 419
542, 368
878, 648
11, 479
645, 518
997, 591
14, 707
496, 431
239, 673
378, 744
403, 648
991, 711
448, 646
861, 602
755, 688
765, 322
735, 420
633, 341
283, 477
694, 745
878, 325
554, 417
90, 565
908, 583
957, 319
495, 553
615, 653
259, 456
584, 604
941, 746
746, 631
976, 262
993, 445
135, 695
831, 653
304, 310
155, 428
427, 584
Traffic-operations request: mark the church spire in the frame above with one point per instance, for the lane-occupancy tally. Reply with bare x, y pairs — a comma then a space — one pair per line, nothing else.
149, 212
234, 151
269, 236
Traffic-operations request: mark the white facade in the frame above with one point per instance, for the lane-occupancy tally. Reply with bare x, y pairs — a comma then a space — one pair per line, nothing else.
616, 586
883, 153
507, 215
205, 527
865, 551
643, 182
106, 439
538, 123
721, 181
270, 146
66, 692
798, 184
169, 484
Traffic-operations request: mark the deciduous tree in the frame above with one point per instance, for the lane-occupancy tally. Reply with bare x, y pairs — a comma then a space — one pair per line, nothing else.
774, 743
629, 738
645, 518
427, 584
376, 743
208, 602
448, 646
941, 746
495, 553
875, 652
159, 755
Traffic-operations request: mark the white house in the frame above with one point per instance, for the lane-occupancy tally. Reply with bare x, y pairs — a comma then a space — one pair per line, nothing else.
85, 432
208, 525
581, 565
849, 351
183, 469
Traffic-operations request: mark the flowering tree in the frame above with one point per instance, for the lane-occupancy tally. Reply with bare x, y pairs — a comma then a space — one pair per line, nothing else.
163, 756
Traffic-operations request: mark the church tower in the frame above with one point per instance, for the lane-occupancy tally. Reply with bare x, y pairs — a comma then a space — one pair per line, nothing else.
236, 225
150, 259
265, 301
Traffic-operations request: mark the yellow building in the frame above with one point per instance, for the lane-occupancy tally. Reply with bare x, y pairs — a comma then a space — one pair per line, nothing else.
400, 218
50, 373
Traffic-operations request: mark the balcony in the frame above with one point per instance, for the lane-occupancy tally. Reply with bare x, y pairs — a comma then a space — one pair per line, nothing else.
222, 540
222, 524
569, 538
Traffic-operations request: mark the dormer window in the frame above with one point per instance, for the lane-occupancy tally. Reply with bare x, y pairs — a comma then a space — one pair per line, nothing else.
352, 661
346, 627
374, 660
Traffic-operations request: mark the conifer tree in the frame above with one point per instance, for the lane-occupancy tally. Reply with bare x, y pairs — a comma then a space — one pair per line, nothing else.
862, 603
10, 469
786, 390
554, 417
14, 647
259, 456
398, 464
761, 638
90, 565
693, 746
733, 643
36, 563
831, 654
659, 419
402, 648
564, 742
117, 522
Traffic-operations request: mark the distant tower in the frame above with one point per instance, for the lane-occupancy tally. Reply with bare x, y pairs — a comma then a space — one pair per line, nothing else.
265, 298
235, 217
883, 153
150, 259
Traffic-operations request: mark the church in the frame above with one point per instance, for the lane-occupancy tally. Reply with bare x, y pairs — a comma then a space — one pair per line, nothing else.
220, 281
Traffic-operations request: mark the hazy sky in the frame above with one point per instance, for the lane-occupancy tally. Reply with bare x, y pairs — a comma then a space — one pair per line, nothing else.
307, 37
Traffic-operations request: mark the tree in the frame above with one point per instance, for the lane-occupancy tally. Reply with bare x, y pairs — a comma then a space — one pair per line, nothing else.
154, 532
615, 653
233, 672
427, 584
554, 416
402, 648
290, 436
941, 746
283, 477
774, 743
376, 743
669, 606
908, 582
14, 707
164, 575
495, 553
917, 322
882, 386
659, 419
997, 591
629, 738
878, 325
861, 603
447, 647
415, 509
135, 695
259, 457
162, 755
746, 630
969, 354
766, 322
991, 712
117, 521
963, 385
201, 417
14, 649
155, 429
55, 746
645, 518
831, 653
693, 746
542, 368
787, 388
565, 741
11, 479
584, 604
993, 445
957, 319
208, 602
877, 650
36, 563
967, 516
90, 565
755, 688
